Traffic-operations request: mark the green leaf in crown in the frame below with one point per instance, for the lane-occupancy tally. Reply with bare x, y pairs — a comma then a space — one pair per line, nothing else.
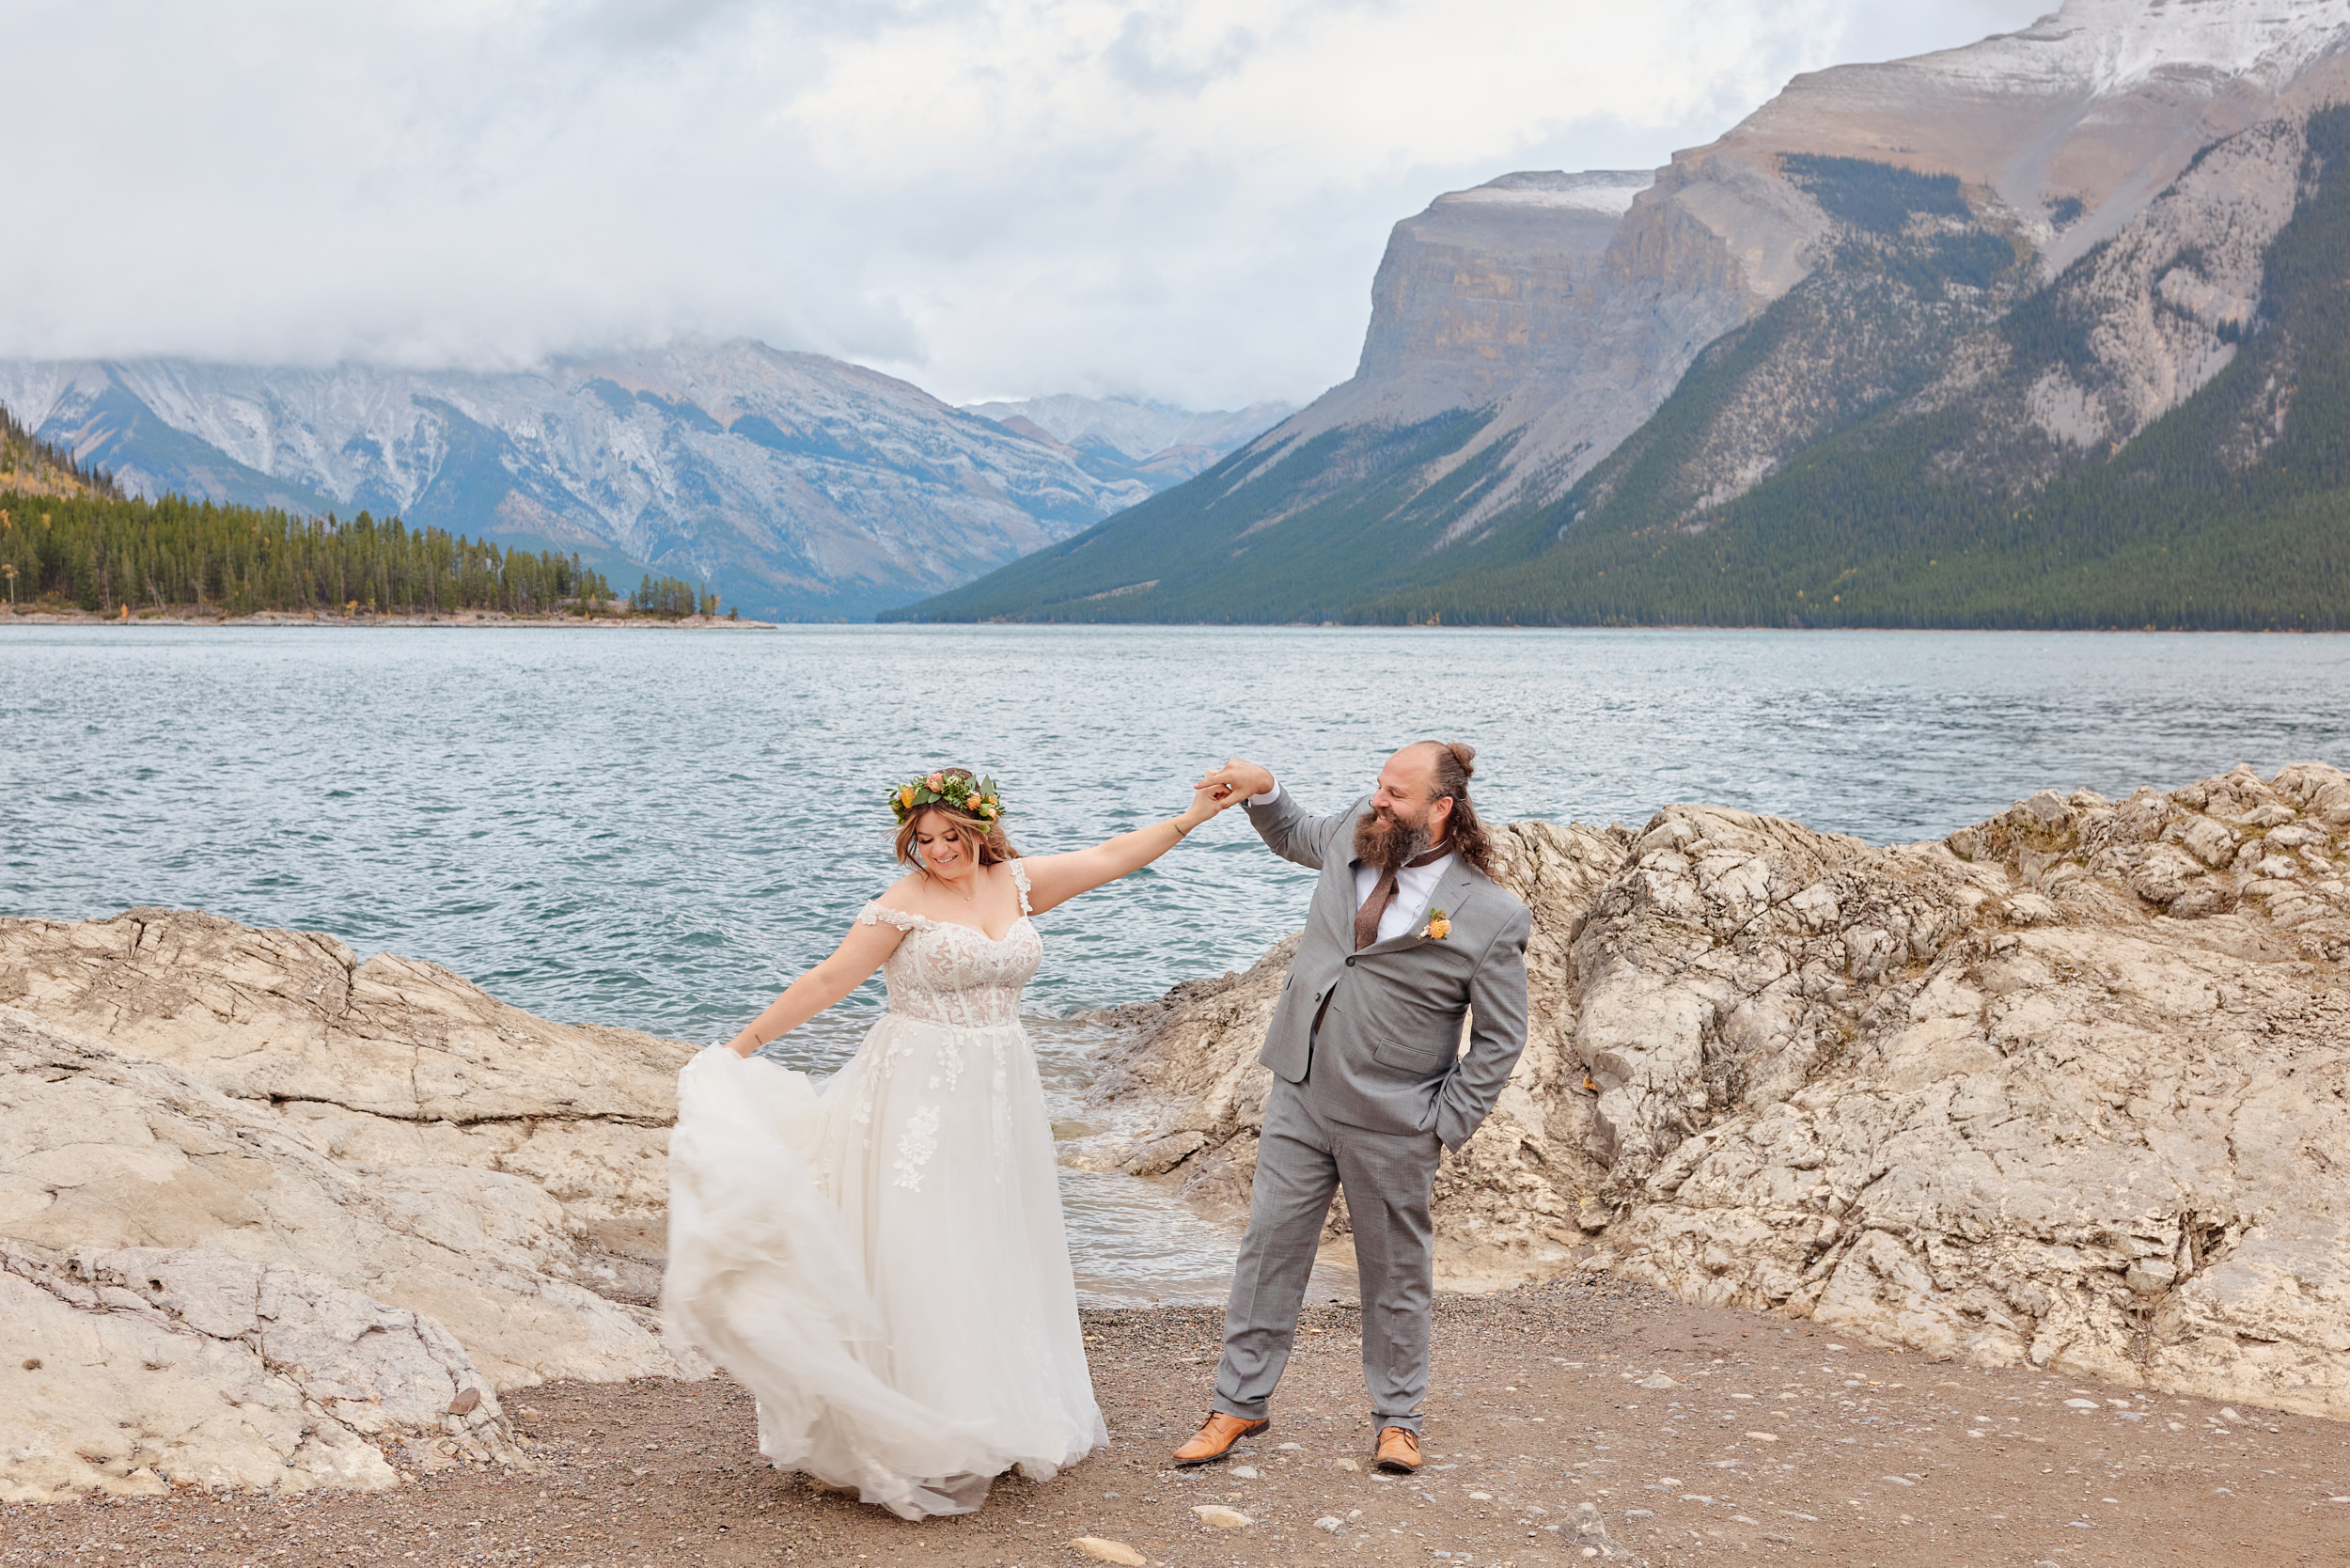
975, 797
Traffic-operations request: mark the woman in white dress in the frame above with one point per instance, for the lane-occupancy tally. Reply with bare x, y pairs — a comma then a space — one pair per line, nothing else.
880, 1258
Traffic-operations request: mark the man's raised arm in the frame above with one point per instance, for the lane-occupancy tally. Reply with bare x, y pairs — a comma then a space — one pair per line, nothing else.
1287, 828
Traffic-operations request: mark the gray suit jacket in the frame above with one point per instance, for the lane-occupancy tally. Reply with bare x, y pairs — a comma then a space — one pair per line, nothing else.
1387, 1056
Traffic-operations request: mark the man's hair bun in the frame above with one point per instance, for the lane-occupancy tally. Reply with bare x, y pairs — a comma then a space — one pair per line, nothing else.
1454, 761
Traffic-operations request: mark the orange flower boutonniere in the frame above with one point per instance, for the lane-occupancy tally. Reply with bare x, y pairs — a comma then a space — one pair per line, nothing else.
1439, 926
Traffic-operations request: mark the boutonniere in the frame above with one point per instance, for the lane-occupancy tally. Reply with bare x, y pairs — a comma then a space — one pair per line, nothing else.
1439, 926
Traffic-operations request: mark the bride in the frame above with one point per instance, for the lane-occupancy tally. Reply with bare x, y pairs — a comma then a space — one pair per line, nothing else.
880, 1260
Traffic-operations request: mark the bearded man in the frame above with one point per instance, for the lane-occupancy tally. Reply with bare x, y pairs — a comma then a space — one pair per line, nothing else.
1407, 935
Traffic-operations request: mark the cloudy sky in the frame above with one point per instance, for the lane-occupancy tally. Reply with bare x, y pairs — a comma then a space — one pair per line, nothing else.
991, 197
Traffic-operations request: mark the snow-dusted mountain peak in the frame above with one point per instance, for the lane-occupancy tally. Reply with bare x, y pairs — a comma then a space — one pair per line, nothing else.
1592, 190
1135, 427
2108, 46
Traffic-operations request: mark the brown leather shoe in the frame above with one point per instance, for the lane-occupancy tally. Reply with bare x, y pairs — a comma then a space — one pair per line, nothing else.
1214, 1440
1399, 1450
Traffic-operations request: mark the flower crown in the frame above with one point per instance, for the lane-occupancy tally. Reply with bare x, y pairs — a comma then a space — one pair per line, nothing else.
973, 797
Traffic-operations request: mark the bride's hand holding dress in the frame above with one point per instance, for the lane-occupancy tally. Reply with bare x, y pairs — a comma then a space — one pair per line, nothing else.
880, 1258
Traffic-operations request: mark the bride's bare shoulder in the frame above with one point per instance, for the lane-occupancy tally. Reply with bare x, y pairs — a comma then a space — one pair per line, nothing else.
908, 893
900, 907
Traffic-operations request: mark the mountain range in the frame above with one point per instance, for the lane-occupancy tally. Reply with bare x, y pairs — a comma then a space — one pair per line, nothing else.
1132, 438
795, 485
2041, 331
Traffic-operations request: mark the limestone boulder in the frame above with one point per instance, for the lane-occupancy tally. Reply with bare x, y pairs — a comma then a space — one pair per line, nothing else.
2067, 1087
102, 1151
294, 1017
386, 1064
141, 1369
278, 1219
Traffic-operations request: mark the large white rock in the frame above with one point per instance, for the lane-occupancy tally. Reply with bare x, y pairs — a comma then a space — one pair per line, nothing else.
137, 1370
99, 1150
266, 1212
387, 1065
2064, 1089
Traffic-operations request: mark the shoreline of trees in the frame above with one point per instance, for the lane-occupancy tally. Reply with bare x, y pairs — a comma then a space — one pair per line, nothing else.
53, 613
70, 539
115, 558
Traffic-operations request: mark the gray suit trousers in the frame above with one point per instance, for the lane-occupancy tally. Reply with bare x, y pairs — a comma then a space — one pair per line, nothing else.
1301, 1160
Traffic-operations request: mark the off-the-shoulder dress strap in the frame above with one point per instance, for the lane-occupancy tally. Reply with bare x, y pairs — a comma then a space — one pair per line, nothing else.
878, 913
1020, 880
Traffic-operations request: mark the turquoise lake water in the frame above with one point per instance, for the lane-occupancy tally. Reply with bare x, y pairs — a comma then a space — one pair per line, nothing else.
660, 828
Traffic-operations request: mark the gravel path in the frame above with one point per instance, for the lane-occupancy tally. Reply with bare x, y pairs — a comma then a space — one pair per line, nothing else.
1699, 1435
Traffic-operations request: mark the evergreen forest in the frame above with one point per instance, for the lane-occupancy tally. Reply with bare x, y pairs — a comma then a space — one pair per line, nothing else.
69, 538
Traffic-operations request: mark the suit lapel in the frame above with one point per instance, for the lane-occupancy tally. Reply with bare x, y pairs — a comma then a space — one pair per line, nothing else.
1342, 905
1452, 890
1338, 908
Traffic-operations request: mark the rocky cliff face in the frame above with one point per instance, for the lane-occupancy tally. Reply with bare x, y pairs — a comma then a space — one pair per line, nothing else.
1489, 285
797, 485
2145, 318
356, 1198
2146, 225
2064, 1089
2063, 135
1575, 304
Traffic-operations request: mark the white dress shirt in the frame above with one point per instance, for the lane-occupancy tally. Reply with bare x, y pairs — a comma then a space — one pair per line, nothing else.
1414, 884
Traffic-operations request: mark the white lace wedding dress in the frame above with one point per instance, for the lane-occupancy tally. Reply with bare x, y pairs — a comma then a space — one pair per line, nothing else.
880, 1260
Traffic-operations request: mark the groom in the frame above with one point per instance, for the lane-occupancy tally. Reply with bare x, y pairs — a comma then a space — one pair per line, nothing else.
1407, 935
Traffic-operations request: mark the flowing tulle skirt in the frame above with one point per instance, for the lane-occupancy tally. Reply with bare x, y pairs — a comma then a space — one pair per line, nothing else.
880, 1260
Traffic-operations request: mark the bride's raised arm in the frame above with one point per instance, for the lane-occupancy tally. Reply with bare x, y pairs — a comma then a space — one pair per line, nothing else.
1055, 879
859, 954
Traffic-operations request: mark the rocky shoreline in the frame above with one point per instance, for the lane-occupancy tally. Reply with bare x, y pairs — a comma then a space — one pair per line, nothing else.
2070, 1088
2064, 1093
276, 1217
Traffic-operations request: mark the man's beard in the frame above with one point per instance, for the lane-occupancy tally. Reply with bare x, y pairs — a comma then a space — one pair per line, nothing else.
1388, 842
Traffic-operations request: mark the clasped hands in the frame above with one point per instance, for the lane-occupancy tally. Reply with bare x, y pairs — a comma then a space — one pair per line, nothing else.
1235, 782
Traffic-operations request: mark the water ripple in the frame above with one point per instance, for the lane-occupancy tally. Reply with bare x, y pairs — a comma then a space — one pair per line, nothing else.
661, 829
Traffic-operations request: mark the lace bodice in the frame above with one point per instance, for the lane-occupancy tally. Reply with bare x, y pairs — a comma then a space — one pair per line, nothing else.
946, 973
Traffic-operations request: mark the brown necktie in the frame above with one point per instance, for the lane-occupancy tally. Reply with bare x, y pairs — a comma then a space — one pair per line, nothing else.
1383, 894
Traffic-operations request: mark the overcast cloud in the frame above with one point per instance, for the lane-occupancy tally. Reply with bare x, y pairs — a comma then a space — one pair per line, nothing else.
991, 197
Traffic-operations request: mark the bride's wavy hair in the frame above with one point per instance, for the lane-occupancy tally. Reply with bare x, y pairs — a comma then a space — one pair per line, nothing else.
1455, 763
989, 837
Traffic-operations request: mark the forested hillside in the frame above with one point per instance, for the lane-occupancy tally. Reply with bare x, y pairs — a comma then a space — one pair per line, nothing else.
70, 538
1203, 551
30, 466
801, 487
69, 541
